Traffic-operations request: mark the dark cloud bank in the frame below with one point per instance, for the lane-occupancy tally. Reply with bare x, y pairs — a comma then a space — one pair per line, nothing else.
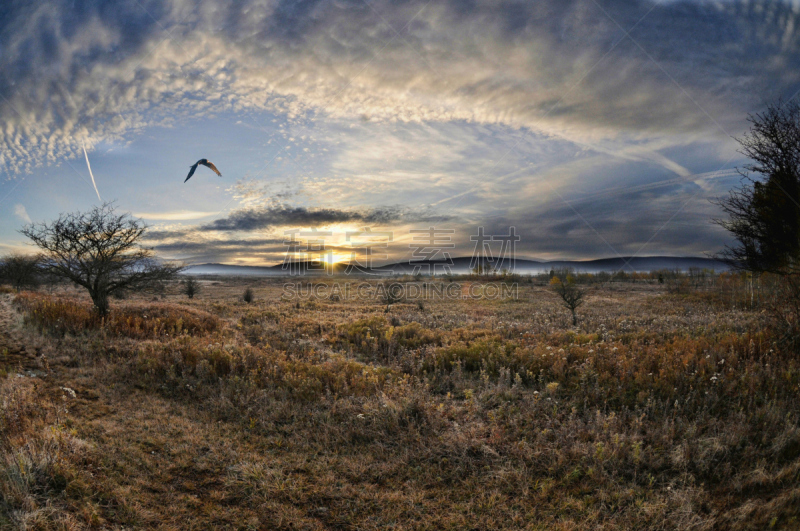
271, 217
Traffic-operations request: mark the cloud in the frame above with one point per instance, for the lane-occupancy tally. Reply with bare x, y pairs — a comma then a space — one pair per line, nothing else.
167, 234
224, 252
553, 228
451, 111
267, 218
240, 245
175, 215
22, 213
89, 166
212, 242
270, 217
602, 228
98, 72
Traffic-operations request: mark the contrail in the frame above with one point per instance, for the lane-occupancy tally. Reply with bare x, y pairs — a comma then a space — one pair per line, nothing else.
90, 171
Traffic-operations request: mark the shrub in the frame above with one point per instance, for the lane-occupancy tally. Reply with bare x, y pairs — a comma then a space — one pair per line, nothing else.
248, 296
21, 271
191, 287
377, 336
244, 367
571, 295
119, 294
64, 316
391, 293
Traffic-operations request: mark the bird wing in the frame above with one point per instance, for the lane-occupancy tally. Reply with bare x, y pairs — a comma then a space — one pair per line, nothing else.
210, 164
191, 171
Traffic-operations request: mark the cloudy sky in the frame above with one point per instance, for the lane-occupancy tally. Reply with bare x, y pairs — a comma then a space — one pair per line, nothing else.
596, 128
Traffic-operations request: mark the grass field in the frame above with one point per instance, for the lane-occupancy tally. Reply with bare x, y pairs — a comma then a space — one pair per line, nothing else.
658, 411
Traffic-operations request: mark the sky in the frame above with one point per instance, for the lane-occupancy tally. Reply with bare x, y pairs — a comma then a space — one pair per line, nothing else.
595, 128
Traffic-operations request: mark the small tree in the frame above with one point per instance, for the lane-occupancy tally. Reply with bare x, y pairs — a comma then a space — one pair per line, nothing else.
571, 295
392, 294
100, 251
248, 296
191, 287
21, 270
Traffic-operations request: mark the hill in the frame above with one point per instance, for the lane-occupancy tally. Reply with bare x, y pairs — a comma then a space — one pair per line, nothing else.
462, 265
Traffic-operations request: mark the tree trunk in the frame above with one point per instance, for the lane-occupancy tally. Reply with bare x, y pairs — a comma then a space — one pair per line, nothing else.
100, 301
574, 319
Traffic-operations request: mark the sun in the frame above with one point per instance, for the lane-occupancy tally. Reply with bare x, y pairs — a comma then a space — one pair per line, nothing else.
332, 258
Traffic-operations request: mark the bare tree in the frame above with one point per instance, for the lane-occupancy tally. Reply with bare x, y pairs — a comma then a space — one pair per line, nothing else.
21, 270
572, 296
763, 215
100, 251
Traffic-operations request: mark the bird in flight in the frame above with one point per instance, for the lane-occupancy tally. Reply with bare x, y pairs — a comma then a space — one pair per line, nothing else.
204, 162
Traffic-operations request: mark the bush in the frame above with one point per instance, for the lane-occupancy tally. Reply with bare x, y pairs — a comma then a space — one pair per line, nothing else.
248, 296
308, 378
191, 287
64, 316
21, 271
391, 293
377, 336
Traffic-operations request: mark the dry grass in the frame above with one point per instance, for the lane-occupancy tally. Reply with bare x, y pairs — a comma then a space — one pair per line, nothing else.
660, 411
59, 316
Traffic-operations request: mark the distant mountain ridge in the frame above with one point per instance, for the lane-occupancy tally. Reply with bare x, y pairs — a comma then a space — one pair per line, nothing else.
464, 264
